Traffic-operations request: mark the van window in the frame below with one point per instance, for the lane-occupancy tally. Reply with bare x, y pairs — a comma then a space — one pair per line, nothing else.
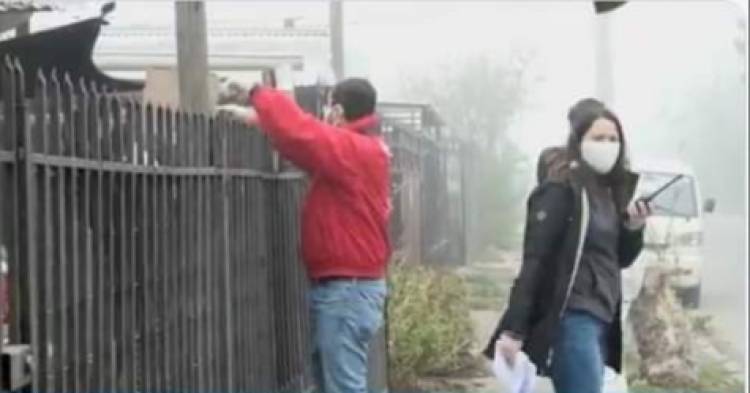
677, 200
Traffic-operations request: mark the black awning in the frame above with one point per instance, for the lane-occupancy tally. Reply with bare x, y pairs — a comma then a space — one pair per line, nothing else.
601, 7
67, 49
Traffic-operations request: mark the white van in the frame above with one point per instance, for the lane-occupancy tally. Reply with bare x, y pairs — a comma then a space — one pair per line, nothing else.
674, 234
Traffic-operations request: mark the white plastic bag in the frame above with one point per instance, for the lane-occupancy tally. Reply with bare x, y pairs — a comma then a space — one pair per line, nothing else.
517, 379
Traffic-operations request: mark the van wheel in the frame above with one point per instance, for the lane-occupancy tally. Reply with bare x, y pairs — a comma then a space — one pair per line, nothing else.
690, 297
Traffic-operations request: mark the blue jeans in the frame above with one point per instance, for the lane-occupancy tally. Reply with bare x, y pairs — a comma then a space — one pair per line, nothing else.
579, 354
345, 316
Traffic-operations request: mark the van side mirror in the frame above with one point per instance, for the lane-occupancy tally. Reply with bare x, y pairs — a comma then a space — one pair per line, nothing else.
709, 206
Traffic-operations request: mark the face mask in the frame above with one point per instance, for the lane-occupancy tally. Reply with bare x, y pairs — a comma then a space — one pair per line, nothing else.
601, 156
332, 114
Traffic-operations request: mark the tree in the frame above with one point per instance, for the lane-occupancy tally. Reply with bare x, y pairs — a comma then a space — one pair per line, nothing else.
706, 123
478, 99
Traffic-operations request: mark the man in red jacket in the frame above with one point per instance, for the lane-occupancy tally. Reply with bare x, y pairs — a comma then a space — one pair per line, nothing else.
345, 245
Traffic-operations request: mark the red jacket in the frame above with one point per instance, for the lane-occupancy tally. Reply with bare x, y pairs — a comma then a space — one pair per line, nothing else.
346, 211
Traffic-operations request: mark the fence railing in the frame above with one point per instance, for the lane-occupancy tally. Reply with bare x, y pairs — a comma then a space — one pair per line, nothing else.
427, 225
148, 249
153, 249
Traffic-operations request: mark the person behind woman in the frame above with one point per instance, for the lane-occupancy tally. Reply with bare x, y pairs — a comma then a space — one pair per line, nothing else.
581, 230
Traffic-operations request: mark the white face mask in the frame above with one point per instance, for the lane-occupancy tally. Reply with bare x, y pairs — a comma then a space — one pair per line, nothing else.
601, 156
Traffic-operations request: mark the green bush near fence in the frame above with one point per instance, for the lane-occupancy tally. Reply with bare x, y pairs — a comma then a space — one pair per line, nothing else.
430, 331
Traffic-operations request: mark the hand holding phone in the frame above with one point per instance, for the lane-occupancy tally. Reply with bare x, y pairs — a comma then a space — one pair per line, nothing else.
637, 214
640, 210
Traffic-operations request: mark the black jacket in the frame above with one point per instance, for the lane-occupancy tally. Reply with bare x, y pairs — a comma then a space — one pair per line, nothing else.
557, 219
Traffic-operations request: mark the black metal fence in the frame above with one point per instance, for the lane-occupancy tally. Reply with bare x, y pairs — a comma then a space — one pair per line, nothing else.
428, 172
148, 249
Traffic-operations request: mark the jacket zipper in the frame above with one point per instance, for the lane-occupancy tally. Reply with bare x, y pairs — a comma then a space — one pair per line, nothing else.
579, 252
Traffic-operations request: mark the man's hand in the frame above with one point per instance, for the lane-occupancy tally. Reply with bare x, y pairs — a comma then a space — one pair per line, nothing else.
233, 92
239, 113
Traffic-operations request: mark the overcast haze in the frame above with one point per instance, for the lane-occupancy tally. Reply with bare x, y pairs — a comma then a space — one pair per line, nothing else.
666, 53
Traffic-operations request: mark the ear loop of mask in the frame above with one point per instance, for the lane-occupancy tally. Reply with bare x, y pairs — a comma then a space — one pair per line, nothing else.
330, 111
324, 107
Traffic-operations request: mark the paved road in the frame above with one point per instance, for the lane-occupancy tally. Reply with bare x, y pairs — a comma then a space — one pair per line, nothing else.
725, 280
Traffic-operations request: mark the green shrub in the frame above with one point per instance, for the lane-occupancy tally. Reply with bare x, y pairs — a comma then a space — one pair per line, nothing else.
429, 326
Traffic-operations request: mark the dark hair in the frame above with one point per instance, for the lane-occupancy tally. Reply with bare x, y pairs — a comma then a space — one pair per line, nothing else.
356, 96
583, 109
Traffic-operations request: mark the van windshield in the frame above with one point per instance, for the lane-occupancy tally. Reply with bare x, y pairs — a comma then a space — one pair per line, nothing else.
677, 200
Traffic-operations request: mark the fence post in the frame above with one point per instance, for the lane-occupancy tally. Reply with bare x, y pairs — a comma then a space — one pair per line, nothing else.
25, 326
223, 128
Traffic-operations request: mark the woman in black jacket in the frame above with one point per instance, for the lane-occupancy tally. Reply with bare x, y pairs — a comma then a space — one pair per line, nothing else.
581, 230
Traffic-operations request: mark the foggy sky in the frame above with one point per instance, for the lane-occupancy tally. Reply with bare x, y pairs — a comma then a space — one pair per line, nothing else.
661, 49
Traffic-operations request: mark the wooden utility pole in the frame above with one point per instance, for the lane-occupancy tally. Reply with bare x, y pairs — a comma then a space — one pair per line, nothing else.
336, 23
192, 55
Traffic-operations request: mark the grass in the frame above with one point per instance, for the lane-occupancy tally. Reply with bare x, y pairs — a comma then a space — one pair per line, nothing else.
713, 376
488, 287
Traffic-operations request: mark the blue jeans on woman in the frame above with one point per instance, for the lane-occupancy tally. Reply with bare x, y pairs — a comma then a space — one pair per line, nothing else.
579, 354
345, 316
